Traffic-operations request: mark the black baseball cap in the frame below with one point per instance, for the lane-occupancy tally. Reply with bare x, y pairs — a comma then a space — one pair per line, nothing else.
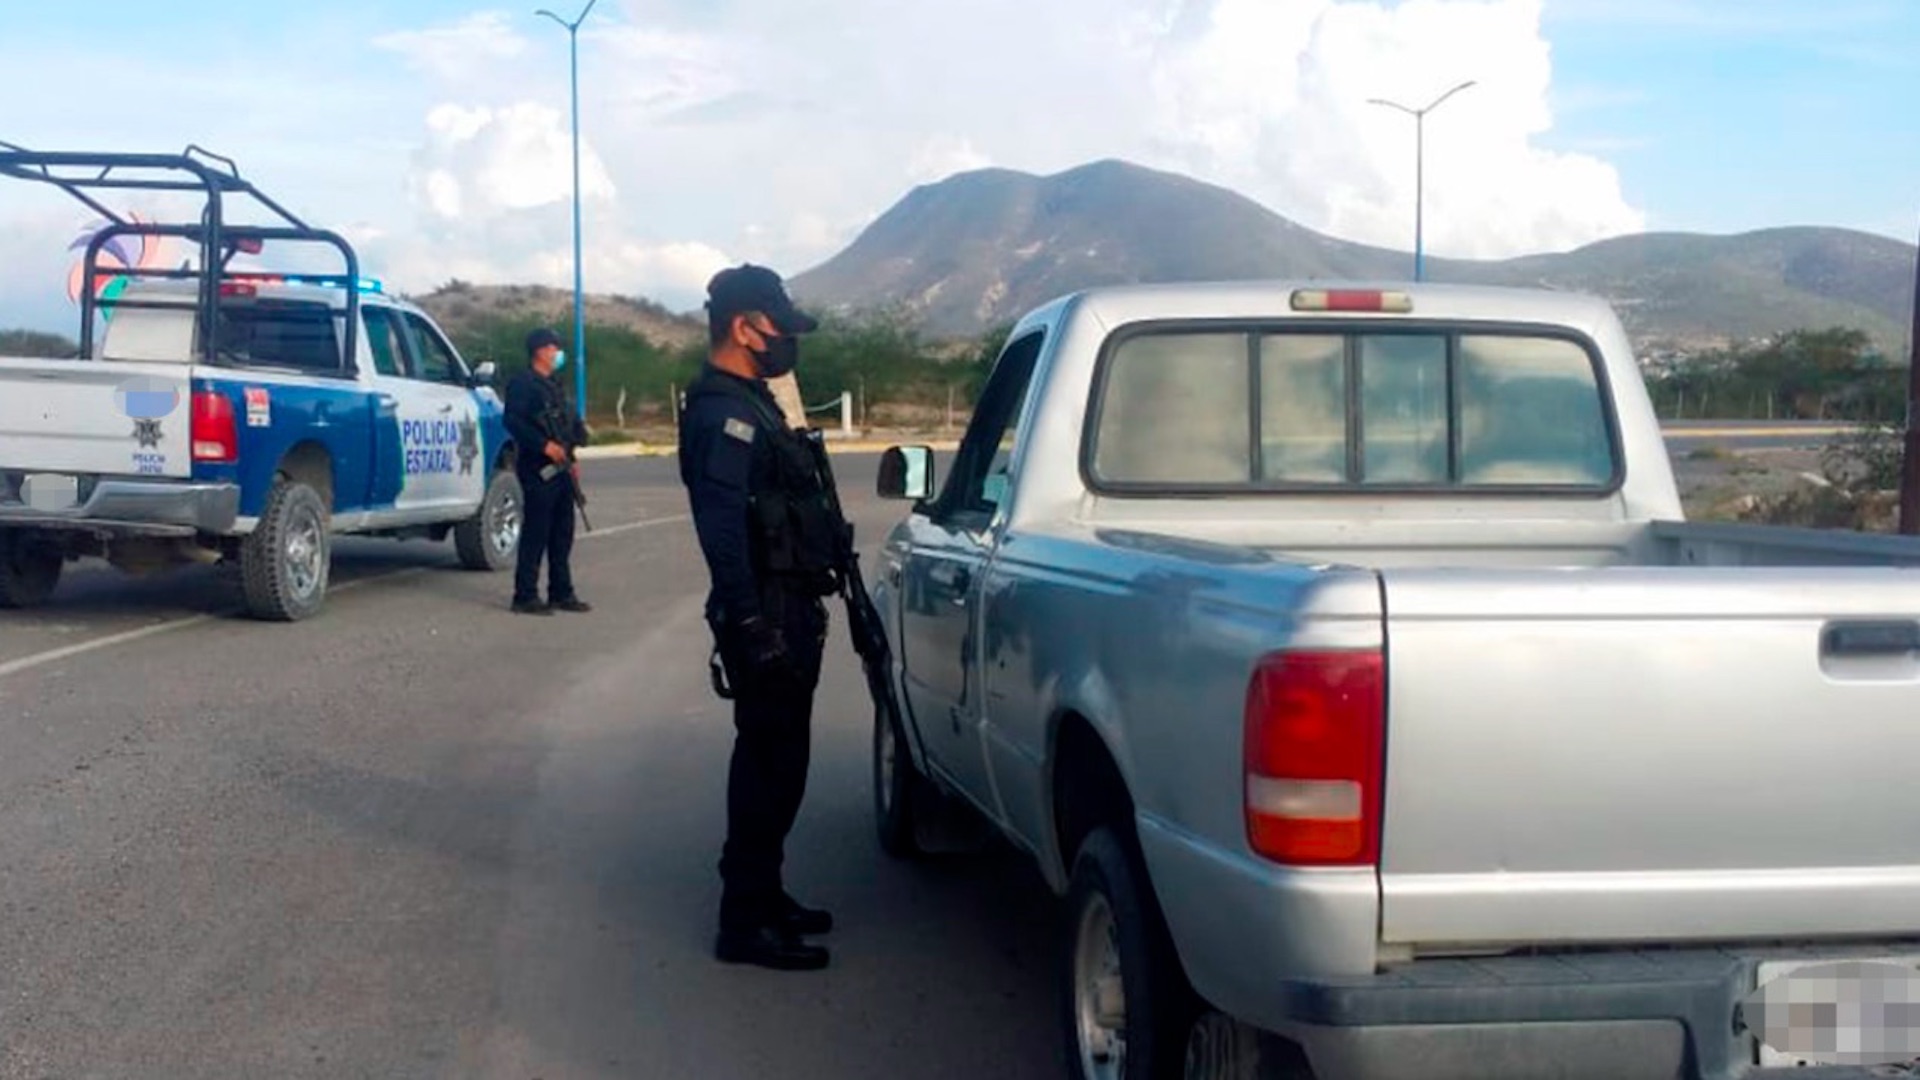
741, 290
540, 339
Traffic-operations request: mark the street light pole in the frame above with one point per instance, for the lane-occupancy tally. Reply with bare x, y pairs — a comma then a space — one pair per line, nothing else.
579, 303
1420, 171
1910, 461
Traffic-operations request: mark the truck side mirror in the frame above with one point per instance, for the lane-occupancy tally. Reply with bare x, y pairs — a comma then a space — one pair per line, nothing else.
483, 375
906, 472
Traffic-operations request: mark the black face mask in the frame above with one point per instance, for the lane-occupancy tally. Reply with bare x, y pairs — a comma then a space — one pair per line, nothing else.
780, 356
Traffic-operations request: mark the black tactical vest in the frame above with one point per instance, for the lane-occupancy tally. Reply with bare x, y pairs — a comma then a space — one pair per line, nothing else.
794, 531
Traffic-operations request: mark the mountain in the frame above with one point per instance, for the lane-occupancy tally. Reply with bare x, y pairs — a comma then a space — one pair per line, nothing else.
464, 309
982, 247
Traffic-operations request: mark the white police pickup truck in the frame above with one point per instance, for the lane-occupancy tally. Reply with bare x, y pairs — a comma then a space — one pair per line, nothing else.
241, 418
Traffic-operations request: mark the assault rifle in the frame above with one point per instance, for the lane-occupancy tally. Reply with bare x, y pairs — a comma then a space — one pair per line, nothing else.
551, 429
863, 619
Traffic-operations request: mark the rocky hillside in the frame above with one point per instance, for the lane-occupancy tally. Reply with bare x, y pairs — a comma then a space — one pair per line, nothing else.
981, 247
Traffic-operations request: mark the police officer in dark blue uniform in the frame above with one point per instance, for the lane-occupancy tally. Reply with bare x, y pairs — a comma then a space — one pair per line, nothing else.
546, 431
763, 526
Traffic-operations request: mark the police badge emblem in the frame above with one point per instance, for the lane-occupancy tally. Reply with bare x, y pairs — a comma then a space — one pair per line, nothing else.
469, 448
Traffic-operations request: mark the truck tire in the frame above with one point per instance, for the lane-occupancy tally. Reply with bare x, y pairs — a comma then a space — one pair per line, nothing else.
29, 569
490, 539
1126, 1007
896, 789
285, 561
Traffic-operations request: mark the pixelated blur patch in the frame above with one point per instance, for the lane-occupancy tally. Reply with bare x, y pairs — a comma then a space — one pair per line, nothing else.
1843, 1012
147, 398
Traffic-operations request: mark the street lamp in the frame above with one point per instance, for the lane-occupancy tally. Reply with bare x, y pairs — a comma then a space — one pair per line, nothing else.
579, 309
1419, 170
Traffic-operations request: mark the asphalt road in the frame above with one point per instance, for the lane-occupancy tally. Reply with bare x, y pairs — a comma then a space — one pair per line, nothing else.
422, 837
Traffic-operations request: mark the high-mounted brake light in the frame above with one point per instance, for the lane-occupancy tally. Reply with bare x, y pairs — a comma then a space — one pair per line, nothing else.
1392, 303
216, 438
1315, 731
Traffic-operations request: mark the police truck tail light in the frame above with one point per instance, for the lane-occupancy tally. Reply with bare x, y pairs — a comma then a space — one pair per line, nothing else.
1315, 733
1392, 303
215, 436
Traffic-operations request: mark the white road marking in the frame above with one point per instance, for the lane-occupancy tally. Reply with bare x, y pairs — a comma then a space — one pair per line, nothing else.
27, 663
632, 525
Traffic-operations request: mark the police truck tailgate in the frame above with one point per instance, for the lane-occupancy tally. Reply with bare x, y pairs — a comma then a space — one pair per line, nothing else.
69, 418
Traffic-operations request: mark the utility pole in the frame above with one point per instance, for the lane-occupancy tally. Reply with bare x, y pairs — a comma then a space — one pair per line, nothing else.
579, 307
1420, 171
1910, 466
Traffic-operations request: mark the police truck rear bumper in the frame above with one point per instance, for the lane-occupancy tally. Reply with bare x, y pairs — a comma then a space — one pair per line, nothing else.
133, 507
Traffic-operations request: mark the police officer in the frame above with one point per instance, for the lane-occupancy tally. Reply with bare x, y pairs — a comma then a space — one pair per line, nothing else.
546, 430
764, 528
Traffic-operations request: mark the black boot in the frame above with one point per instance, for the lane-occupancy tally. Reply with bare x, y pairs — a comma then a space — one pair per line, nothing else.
769, 947
797, 919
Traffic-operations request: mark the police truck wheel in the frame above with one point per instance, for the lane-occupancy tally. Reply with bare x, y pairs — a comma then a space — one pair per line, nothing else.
29, 569
285, 561
1127, 1011
896, 786
490, 540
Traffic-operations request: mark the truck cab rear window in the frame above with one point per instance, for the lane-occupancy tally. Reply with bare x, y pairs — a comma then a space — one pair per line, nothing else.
1227, 410
279, 333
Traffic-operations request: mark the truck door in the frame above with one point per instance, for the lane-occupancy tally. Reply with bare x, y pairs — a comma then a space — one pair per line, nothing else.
440, 452
940, 587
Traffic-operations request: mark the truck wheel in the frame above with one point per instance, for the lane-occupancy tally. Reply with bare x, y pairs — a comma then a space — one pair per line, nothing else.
490, 539
284, 562
29, 569
896, 787
1127, 1007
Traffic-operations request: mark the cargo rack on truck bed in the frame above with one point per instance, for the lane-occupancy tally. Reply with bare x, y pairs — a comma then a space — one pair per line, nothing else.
194, 169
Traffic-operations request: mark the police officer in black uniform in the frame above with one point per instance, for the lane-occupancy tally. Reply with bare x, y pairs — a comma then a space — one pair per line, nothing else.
765, 529
546, 431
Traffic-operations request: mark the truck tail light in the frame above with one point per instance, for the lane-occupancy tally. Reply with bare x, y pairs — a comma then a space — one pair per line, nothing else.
1315, 734
1395, 303
215, 436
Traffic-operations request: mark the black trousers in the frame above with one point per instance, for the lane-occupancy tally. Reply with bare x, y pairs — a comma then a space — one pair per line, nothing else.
772, 747
546, 532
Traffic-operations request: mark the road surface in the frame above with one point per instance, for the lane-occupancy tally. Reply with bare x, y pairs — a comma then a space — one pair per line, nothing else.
422, 837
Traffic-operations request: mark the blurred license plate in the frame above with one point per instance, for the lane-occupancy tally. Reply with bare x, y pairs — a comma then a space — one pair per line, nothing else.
50, 491
1771, 971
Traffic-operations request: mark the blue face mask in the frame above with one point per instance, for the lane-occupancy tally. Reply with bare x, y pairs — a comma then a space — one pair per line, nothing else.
559, 359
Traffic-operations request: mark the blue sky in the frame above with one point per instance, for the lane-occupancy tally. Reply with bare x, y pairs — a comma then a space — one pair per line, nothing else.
434, 131
1724, 115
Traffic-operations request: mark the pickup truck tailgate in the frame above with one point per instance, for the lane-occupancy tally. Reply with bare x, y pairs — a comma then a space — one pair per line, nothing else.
1650, 755
95, 417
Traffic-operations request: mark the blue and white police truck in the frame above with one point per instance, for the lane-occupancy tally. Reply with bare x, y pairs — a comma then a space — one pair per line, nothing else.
239, 417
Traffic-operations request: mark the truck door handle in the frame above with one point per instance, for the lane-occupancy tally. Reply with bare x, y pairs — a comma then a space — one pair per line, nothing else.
1871, 639
447, 407
952, 579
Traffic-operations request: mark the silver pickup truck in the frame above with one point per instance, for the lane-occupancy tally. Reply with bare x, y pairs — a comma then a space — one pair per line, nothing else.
1344, 658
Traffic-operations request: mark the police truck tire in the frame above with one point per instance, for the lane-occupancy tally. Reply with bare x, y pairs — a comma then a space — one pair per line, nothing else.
490, 539
1126, 1008
285, 561
896, 789
29, 569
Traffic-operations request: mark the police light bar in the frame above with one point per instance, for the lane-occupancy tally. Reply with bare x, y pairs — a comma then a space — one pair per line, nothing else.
364, 285
1393, 303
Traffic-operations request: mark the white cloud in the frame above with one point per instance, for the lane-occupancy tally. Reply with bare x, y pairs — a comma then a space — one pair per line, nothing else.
943, 156
1275, 102
488, 161
475, 47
